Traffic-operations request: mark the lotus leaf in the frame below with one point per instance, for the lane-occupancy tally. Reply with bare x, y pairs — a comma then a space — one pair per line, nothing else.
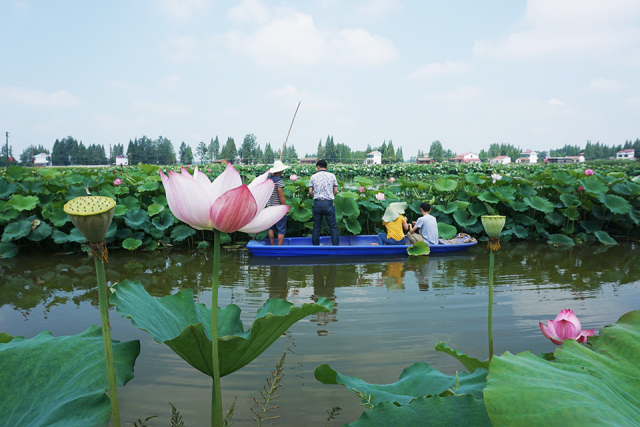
565, 178
8, 250
59, 237
15, 172
58, 217
622, 188
526, 191
570, 200
477, 209
590, 226
72, 192
571, 213
16, 230
470, 363
539, 203
160, 200
75, 179
462, 205
604, 237
594, 186
131, 203
352, 225
523, 219
148, 169
111, 231
505, 194
519, 206
418, 249
131, 244
560, 240
48, 173
163, 221
47, 388
136, 219
615, 204
556, 218
184, 325
473, 178
7, 213
76, 236
300, 212
445, 185
524, 389
154, 209
562, 189
464, 219
446, 231
148, 186
632, 186
22, 203
450, 208
346, 207
181, 232
374, 207
470, 190
519, 231
34, 187
488, 197
40, 232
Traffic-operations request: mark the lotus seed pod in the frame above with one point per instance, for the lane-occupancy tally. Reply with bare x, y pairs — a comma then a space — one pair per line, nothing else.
92, 215
493, 225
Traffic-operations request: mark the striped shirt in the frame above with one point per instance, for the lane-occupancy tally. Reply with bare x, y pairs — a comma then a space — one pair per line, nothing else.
274, 200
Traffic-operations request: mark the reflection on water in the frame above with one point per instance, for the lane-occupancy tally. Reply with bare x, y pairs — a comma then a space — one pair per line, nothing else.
388, 313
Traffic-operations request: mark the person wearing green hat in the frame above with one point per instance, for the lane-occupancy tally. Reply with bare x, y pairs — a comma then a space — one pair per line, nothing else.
395, 223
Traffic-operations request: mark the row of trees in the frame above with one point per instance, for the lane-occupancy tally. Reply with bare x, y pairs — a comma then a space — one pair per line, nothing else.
596, 151
68, 151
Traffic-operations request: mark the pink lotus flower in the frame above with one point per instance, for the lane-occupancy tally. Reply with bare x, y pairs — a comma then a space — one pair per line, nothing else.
496, 177
392, 179
361, 189
11, 158
117, 181
380, 196
588, 172
565, 327
293, 177
209, 170
581, 188
224, 204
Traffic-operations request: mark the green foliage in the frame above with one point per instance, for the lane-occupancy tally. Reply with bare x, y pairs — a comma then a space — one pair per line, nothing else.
21, 203
419, 249
470, 363
446, 231
131, 244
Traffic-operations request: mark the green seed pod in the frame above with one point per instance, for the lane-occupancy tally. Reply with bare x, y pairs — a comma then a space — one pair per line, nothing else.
493, 224
92, 215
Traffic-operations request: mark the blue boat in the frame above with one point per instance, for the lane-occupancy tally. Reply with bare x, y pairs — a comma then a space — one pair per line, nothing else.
349, 246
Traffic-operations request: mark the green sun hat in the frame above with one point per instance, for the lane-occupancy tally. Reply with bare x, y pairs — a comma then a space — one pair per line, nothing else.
394, 210
92, 215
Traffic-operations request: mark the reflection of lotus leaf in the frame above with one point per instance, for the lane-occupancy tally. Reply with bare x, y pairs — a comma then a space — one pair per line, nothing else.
184, 325
524, 389
47, 387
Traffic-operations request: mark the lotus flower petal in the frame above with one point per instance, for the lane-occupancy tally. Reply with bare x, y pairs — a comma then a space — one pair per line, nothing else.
566, 330
584, 334
260, 179
233, 210
262, 192
228, 180
187, 200
201, 178
568, 315
265, 219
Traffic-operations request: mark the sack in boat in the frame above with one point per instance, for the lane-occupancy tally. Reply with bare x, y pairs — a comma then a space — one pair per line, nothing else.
415, 237
459, 239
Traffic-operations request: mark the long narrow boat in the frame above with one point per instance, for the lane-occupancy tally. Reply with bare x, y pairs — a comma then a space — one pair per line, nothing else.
349, 246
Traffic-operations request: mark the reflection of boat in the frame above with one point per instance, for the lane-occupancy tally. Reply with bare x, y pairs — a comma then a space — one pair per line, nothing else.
349, 246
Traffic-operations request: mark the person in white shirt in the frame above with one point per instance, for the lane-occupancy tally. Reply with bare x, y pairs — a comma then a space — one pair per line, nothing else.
427, 225
323, 186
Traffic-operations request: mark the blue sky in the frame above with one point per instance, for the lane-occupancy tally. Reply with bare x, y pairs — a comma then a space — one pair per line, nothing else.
537, 74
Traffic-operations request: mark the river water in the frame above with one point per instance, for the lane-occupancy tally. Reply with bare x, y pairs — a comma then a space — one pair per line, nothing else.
388, 314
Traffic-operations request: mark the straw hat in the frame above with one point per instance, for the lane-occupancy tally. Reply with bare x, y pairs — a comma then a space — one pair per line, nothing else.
394, 211
278, 166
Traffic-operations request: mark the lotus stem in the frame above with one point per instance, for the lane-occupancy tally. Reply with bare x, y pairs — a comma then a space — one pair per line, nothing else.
490, 304
216, 394
106, 337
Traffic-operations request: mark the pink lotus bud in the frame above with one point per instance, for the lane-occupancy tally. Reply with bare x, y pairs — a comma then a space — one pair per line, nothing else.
588, 172
11, 159
496, 177
380, 196
117, 181
392, 179
581, 188
566, 326
293, 177
361, 189
209, 170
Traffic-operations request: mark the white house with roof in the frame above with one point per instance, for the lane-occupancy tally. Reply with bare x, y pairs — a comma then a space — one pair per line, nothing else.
628, 154
500, 160
42, 160
465, 158
373, 158
122, 161
528, 156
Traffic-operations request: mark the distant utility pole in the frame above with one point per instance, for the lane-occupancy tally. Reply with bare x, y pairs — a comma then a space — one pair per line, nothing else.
7, 149
109, 154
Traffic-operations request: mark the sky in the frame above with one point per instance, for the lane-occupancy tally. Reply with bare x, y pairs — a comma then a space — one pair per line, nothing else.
537, 74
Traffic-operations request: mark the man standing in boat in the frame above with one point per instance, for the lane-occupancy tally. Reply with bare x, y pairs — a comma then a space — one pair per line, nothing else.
323, 186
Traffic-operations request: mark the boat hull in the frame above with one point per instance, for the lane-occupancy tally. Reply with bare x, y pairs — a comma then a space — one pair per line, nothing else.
349, 246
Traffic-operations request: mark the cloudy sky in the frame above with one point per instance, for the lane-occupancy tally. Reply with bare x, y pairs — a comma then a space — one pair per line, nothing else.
537, 74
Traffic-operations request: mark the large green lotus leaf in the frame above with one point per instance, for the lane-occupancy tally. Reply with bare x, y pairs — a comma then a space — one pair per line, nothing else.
590, 226
16, 172
160, 200
184, 325
450, 208
556, 218
5, 338
604, 237
72, 192
300, 211
353, 225
477, 209
505, 194
76, 236
594, 186
136, 219
370, 206
459, 411
148, 186
632, 186
519, 206
34, 187
7, 188
560, 240
40, 232
59, 237
163, 221
346, 206
58, 217
621, 188
446, 231
526, 191
75, 179
597, 386
523, 219
463, 205
362, 180
7, 213
154, 209
181, 232
519, 231
570, 200
445, 185
470, 190
488, 197
565, 178
131, 244
22, 203
16, 230
60, 381
464, 219
8, 250
571, 213
419, 249
474, 178
539, 203
417, 380
471, 363
131, 203
615, 204
48, 173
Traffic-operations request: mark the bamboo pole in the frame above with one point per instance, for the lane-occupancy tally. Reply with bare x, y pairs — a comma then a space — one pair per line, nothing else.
285, 141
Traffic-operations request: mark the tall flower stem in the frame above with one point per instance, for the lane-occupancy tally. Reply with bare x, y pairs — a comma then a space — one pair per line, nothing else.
106, 337
216, 394
490, 304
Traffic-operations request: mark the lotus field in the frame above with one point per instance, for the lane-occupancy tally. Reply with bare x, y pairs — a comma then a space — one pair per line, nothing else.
565, 205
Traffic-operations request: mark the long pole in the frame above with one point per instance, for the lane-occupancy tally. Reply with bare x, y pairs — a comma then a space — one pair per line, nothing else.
285, 141
7, 149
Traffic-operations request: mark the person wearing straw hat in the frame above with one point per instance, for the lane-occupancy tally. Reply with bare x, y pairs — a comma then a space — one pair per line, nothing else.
277, 198
395, 223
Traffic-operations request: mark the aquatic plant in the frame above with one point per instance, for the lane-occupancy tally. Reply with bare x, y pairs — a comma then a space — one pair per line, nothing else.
268, 393
566, 326
493, 225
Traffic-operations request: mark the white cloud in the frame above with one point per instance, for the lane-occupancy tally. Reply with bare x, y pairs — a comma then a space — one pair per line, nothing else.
181, 10
22, 5
572, 28
358, 47
291, 95
634, 101
182, 48
606, 85
60, 98
172, 82
251, 11
458, 97
163, 107
378, 7
436, 69
555, 102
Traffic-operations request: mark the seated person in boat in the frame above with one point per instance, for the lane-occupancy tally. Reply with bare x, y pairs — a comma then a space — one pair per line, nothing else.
427, 225
395, 223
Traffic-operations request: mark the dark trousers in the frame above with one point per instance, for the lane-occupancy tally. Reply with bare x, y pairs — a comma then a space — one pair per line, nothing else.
324, 208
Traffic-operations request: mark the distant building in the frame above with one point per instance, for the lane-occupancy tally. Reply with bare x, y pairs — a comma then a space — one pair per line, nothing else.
528, 156
500, 160
425, 161
122, 161
628, 154
564, 160
465, 158
42, 160
373, 158
308, 160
